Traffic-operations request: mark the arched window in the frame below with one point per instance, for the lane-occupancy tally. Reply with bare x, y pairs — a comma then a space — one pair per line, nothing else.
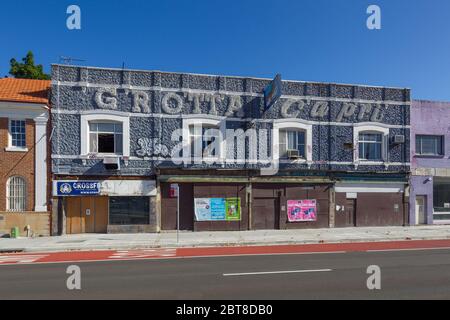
16, 194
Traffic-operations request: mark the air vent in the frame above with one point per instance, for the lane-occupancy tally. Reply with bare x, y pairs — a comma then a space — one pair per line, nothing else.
399, 139
293, 154
112, 163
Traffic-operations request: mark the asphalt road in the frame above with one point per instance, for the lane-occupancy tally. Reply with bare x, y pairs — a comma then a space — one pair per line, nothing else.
415, 274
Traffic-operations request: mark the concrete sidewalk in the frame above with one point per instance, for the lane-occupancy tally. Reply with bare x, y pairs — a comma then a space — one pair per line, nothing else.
227, 238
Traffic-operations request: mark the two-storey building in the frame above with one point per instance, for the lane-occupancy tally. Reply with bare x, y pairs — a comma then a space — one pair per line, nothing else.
430, 164
324, 155
24, 131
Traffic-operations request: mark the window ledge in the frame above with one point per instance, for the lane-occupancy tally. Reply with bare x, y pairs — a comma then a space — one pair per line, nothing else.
371, 163
100, 155
424, 156
16, 149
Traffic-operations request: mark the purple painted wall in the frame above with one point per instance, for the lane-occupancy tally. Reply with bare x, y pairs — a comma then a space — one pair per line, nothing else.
429, 118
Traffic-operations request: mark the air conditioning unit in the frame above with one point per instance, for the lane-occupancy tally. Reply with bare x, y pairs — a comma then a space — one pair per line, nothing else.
293, 154
398, 138
112, 163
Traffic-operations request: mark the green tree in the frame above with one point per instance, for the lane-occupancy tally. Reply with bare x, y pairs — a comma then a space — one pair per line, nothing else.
27, 69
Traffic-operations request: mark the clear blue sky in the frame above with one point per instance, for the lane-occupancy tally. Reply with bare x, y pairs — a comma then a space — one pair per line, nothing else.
315, 40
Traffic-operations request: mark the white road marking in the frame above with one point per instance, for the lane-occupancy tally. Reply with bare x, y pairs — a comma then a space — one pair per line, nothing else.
275, 272
408, 249
142, 254
22, 258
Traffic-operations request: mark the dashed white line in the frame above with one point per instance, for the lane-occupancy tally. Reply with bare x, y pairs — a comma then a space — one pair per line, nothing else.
275, 272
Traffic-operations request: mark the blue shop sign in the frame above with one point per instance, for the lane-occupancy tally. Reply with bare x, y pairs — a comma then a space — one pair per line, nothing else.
272, 92
77, 188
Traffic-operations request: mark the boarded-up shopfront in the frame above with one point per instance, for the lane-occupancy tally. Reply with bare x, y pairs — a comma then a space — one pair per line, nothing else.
262, 206
364, 205
105, 206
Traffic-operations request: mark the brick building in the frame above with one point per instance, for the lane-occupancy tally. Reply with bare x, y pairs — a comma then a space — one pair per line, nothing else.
24, 172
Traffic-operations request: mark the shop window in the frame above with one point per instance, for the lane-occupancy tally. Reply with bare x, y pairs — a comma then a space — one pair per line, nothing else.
429, 145
441, 196
16, 194
292, 142
17, 133
204, 141
129, 210
105, 137
370, 146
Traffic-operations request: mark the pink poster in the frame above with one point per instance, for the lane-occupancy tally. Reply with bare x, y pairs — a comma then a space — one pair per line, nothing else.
301, 210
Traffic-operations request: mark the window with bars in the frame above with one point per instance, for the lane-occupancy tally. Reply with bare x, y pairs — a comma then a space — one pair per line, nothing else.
16, 194
106, 137
17, 132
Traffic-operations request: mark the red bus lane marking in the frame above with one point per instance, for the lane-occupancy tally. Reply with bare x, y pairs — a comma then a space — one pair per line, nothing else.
185, 252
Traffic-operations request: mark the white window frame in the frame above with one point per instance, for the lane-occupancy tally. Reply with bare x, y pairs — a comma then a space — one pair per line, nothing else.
297, 125
98, 117
208, 121
114, 133
295, 131
10, 147
357, 130
23, 201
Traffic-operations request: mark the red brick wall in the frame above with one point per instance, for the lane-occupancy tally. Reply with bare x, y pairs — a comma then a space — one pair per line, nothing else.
17, 163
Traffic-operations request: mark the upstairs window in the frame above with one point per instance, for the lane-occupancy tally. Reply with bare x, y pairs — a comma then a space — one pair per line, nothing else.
429, 145
370, 146
16, 194
106, 137
17, 132
292, 140
204, 141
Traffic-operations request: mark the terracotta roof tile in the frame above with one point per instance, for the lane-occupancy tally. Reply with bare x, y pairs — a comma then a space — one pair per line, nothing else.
25, 90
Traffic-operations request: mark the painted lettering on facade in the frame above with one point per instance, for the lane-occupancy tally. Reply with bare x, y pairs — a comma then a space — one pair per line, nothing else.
173, 103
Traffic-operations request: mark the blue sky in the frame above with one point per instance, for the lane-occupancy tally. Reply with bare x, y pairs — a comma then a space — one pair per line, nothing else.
314, 40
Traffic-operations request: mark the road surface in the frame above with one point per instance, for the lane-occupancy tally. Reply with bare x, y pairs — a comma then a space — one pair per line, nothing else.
405, 274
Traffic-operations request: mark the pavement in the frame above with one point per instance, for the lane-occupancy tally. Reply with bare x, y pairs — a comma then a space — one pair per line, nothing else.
410, 274
86, 242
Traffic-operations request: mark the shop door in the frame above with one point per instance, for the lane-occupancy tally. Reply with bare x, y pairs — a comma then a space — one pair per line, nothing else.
421, 217
87, 215
350, 212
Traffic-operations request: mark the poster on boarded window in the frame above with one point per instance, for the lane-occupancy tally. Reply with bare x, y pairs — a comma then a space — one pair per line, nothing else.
202, 209
217, 209
301, 210
233, 209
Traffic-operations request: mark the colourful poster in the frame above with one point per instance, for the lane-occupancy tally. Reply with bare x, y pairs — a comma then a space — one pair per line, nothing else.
233, 209
301, 210
202, 209
217, 208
